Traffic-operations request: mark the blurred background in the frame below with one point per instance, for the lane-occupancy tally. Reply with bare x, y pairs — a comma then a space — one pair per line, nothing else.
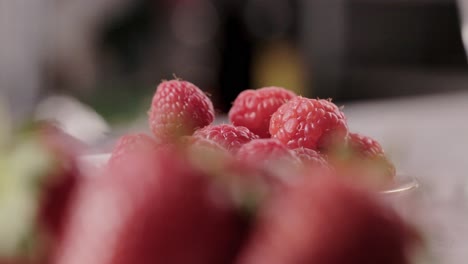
399, 67
110, 54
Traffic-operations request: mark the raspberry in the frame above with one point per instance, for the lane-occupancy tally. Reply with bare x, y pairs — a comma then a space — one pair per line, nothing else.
157, 207
311, 157
364, 145
201, 143
179, 108
253, 108
228, 136
266, 151
367, 148
131, 143
320, 219
205, 154
363, 161
309, 123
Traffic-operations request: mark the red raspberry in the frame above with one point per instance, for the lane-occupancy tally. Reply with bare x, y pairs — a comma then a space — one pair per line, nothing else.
322, 220
311, 157
204, 153
155, 208
131, 143
228, 136
179, 108
266, 151
309, 123
369, 149
253, 108
201, 143
364, 145
362, 160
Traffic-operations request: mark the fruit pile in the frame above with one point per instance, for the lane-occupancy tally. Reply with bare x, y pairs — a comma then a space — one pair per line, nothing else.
285, 182
268, 125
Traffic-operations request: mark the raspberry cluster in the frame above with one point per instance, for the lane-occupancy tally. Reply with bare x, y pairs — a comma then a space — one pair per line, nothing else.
314, 130
273, 185
284, 182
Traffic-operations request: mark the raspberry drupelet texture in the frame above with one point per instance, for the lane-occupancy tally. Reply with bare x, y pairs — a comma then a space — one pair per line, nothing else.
179, 108
253, 108
309, 123
311, 157
228, 136
131, 143
265, 151
369, 149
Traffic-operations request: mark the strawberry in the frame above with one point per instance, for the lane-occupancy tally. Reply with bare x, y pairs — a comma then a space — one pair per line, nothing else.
309, 123
253, 108
160, 210
228, 136
323, 220
179, 108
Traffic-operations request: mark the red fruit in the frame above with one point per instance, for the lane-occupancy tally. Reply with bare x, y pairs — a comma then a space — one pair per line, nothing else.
311, 157
40, 175
129, 144
61, 180
309, 123
363, 160
228, 136
201, 143
365, 146
268, 152
179, 108
322, 220
56, 195
160, 210
205, 154
253, 108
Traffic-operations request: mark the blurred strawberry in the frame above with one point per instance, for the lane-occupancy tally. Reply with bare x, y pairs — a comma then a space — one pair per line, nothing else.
160, 210
322, 220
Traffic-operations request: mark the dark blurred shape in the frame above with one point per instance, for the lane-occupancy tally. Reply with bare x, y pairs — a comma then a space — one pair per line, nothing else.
128, 36
112, 53
367, 49
236, 59
251, 29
